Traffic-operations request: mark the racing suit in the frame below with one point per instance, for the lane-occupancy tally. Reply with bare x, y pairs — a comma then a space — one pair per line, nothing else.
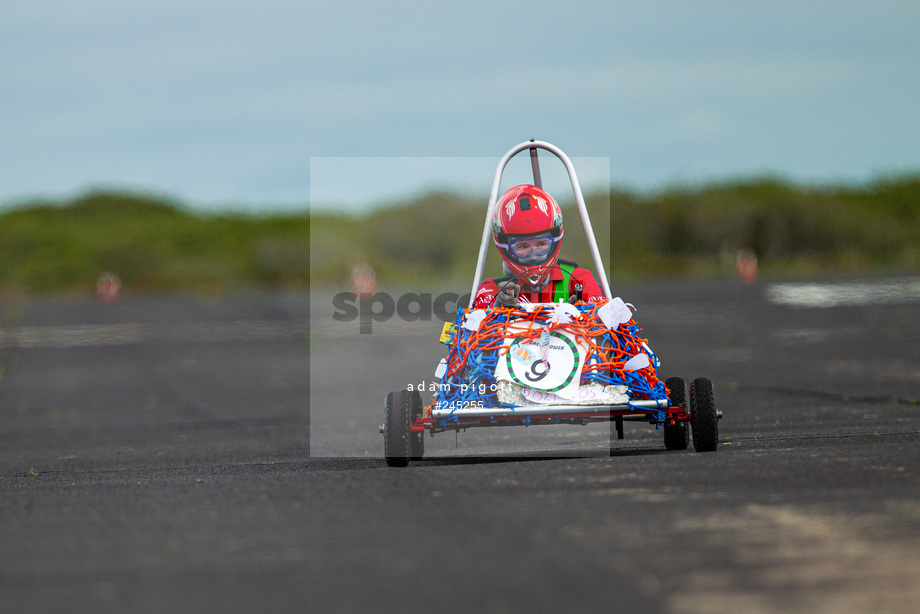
555, 289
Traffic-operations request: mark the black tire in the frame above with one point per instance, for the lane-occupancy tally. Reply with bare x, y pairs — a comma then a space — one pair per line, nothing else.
677, 435
704, 418
416, 440
397, 417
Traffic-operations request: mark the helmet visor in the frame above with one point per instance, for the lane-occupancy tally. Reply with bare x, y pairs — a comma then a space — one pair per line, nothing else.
530, 249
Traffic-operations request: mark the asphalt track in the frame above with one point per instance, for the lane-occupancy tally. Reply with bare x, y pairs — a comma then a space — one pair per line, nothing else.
175, 454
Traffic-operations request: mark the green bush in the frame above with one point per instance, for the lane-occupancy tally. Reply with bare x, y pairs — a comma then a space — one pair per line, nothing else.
155, 244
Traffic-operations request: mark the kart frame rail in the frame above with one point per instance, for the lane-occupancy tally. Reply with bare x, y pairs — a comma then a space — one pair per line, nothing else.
649, 411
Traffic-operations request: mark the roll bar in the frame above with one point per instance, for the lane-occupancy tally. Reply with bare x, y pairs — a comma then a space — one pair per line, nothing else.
533, 146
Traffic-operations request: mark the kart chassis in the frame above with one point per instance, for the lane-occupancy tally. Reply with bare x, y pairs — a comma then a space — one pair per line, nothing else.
403, 435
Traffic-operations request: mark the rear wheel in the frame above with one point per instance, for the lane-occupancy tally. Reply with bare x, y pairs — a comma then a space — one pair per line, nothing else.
416, 440
704, 418
396, 428
676, 434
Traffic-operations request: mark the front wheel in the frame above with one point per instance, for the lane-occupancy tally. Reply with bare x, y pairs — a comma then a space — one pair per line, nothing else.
676, 434
704, 417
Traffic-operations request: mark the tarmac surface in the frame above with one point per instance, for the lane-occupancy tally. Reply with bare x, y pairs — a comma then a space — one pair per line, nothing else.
182, 454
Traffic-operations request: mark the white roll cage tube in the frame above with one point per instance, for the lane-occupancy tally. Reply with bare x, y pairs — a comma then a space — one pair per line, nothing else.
579, 200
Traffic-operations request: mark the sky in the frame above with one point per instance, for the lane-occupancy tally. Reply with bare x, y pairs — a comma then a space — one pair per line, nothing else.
282, 104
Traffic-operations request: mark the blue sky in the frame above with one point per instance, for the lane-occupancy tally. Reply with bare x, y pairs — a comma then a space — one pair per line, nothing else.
224, 104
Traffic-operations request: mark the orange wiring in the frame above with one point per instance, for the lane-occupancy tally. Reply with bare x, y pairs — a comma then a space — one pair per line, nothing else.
599, 358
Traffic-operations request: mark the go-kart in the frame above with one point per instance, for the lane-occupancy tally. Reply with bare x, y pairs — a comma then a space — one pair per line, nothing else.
548, 363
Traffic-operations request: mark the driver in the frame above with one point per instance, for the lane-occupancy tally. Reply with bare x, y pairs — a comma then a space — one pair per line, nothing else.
527, 229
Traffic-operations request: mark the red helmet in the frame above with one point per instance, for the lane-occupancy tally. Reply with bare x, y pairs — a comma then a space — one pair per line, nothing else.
527, 228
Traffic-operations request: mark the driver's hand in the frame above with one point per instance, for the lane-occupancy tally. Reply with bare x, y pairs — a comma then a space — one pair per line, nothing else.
508, 294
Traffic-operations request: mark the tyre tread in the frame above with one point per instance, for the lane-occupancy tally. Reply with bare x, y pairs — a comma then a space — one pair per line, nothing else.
397, 434
703, 416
